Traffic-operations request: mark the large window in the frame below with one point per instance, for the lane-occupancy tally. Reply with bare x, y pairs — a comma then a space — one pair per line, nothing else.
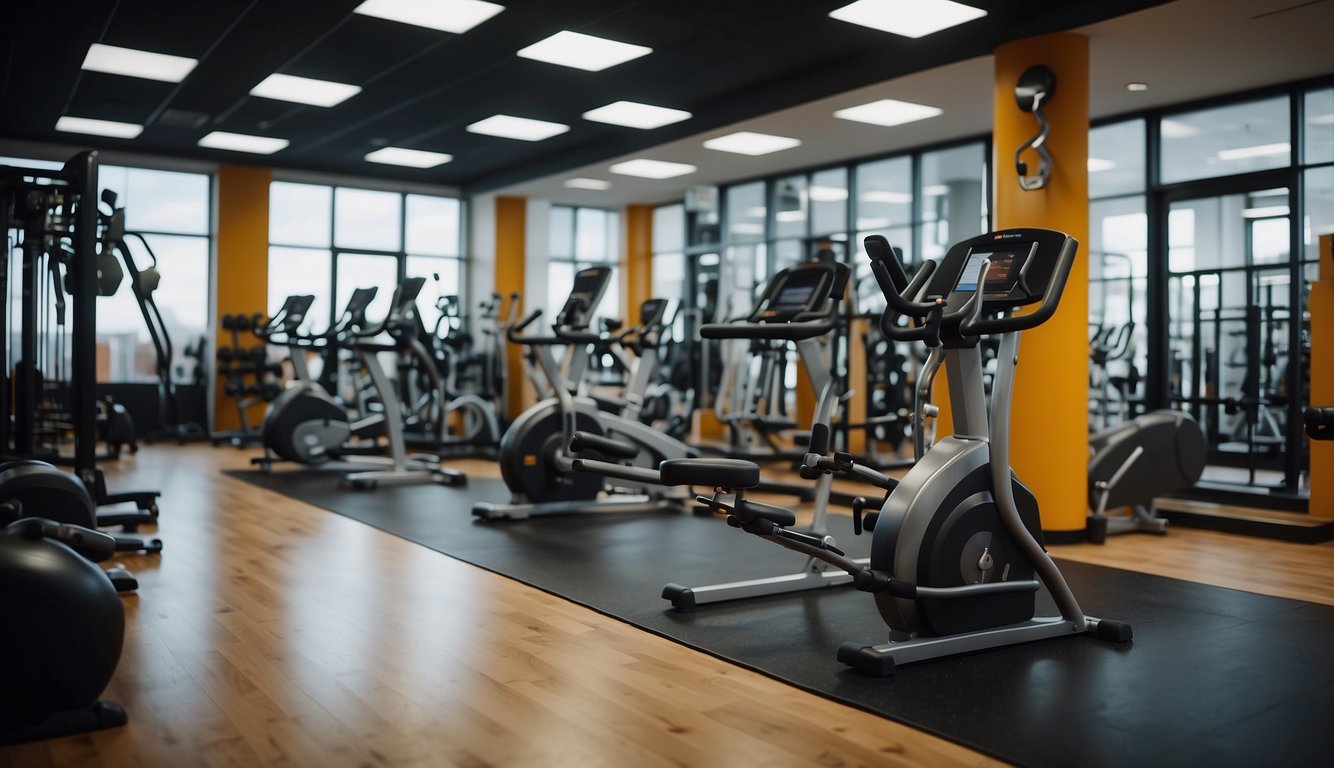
327, 241
1227, 140
583, 237
171, 210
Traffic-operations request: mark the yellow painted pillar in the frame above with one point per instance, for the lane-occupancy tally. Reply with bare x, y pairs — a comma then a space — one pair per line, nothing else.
243, 262
511, 246
1049, 444
637, 266
1321, 305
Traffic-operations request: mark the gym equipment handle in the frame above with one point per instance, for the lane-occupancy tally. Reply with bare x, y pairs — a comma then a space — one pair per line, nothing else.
587, 441
781, 331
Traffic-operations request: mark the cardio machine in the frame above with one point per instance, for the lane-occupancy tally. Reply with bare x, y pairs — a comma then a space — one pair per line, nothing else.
538, 451
956, 552
800, 305
305, 424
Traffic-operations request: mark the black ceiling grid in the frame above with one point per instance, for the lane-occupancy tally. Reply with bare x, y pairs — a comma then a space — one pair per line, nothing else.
722, 61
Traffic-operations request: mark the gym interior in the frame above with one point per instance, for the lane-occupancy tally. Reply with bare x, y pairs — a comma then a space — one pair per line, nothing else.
450, 382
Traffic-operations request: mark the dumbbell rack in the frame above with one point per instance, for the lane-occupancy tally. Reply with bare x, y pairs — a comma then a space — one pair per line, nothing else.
249, 378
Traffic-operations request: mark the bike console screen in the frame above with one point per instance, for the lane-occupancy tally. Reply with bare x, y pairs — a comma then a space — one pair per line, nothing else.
800, 291
1002, 273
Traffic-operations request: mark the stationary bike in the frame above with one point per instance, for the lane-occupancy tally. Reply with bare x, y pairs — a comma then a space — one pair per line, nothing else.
956, 552
538, 450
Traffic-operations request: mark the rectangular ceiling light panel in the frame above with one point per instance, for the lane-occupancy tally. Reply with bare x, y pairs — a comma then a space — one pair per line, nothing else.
98, 127
523, 128
652, 169
409, 158
1247, 153
594, 184
632, 114
133, 63
586, 52
888, 112
751, 143
457, 16
909, 18
304, 90
240, 142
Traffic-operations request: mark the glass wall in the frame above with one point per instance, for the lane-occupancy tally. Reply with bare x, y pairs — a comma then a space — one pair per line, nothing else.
1198, 269
580, 238
329, 240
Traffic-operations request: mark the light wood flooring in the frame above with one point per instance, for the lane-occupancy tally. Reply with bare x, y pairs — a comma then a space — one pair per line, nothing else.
271, 632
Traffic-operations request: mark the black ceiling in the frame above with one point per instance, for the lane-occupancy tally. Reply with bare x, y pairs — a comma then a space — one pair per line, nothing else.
722, 60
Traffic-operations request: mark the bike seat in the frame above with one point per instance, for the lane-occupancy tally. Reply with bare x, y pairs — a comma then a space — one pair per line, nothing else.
1320, 423
718, 473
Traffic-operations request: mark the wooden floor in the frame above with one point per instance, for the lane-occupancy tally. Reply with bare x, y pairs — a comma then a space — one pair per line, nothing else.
275, 633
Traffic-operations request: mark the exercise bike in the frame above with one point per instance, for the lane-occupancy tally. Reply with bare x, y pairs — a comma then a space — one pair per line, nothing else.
956, 553
538, 450
800, 305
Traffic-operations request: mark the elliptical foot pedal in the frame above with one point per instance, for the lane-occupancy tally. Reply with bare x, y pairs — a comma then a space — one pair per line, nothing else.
683, 598
121, 579
1113, 631
865, 659
453, 477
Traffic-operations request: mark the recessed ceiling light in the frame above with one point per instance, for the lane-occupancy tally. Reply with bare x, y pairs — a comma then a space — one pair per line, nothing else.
457, 16
888, 112
635, 115
304, 90
510, 127
133, 63
1261, 150
892, 198
411, 158
751, 143
240, 142
1136, 87
595, 184
935, 190
1097, 164
98, 127
910, 18
652, 169
572, 49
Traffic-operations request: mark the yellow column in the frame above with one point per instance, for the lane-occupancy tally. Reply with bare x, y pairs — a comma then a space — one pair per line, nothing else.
1050, 436
243, 261
1322, 378
511, 244
637, 266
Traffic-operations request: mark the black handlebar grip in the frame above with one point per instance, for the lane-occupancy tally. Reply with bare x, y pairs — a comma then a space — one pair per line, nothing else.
880, 251
819, 440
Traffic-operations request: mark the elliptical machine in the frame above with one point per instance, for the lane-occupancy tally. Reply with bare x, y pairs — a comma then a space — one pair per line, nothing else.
956, 553
538, 451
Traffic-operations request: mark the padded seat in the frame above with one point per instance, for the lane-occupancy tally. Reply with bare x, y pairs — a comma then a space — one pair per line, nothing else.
718, 473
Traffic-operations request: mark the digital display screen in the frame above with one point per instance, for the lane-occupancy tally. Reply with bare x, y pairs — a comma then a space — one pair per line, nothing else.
1001, 274
794, 296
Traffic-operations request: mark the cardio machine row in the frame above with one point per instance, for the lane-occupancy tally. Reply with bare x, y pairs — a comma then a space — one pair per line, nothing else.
956, 555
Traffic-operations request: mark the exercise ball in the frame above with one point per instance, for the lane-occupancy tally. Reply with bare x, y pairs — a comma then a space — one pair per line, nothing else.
64, 628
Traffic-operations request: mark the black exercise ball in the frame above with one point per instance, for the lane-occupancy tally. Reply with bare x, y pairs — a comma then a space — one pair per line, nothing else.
44, 490
64, 627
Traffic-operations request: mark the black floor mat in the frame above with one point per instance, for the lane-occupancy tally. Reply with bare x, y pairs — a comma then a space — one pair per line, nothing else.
1214, 676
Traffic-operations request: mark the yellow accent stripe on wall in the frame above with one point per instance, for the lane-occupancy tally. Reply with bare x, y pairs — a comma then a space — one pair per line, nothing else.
637, 266
243, 262
511, 247
1050, 434
1321, 305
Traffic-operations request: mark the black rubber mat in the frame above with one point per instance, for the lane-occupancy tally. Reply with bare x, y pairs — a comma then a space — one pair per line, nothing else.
1214, 676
